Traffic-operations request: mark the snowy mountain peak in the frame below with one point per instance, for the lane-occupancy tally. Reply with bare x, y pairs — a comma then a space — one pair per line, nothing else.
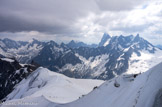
140, 43
52, 43
135, 42
74, 44
34, 41
137, 38
105, 39
72, 41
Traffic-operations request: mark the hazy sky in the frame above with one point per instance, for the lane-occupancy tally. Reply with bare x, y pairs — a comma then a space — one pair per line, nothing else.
81, 20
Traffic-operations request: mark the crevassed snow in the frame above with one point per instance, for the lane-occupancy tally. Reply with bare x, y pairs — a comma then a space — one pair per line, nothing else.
98, 60
144, 62
94, 65
84, 60
53, 86
131, 92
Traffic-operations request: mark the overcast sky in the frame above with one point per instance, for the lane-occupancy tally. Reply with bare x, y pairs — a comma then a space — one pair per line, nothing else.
81, 20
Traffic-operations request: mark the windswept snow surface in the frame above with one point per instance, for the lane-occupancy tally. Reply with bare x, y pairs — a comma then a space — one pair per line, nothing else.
131, 91
52, 86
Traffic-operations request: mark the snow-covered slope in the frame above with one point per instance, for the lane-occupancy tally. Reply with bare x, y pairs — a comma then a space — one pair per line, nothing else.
132, 92
52, 86
123, 91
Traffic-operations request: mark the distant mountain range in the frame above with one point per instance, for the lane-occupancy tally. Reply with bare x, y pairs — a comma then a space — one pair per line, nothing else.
111, 57
73, 44
20, 50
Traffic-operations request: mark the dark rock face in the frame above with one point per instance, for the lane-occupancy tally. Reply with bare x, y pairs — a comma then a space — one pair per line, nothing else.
54, 56
12, 73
